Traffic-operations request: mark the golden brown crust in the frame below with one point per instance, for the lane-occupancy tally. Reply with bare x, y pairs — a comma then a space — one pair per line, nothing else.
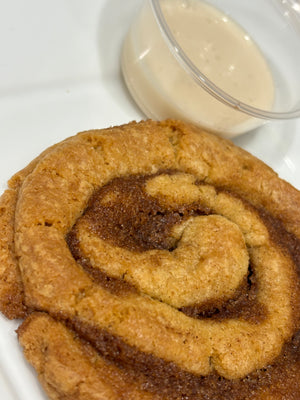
11, 288
132, 236
69, 368
12, 303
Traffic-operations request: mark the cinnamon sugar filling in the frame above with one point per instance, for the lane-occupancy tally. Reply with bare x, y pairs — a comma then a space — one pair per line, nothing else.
125, 215
168, 381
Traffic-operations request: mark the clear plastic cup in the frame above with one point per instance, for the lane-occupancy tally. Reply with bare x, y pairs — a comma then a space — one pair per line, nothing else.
227, 66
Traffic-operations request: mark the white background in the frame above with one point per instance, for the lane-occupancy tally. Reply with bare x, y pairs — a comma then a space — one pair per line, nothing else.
60, 74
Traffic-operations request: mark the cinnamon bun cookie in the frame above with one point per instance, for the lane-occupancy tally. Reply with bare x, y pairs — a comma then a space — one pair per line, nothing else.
154, 261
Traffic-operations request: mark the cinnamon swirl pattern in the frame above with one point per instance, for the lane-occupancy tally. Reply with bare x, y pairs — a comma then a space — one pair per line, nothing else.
154, 261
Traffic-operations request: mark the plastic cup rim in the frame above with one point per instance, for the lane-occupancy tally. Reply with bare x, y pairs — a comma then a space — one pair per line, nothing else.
202, 80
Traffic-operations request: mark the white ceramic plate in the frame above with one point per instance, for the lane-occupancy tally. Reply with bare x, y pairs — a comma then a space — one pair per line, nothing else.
60, 74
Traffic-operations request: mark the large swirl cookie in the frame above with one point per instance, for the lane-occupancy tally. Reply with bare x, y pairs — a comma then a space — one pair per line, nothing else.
154, 261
